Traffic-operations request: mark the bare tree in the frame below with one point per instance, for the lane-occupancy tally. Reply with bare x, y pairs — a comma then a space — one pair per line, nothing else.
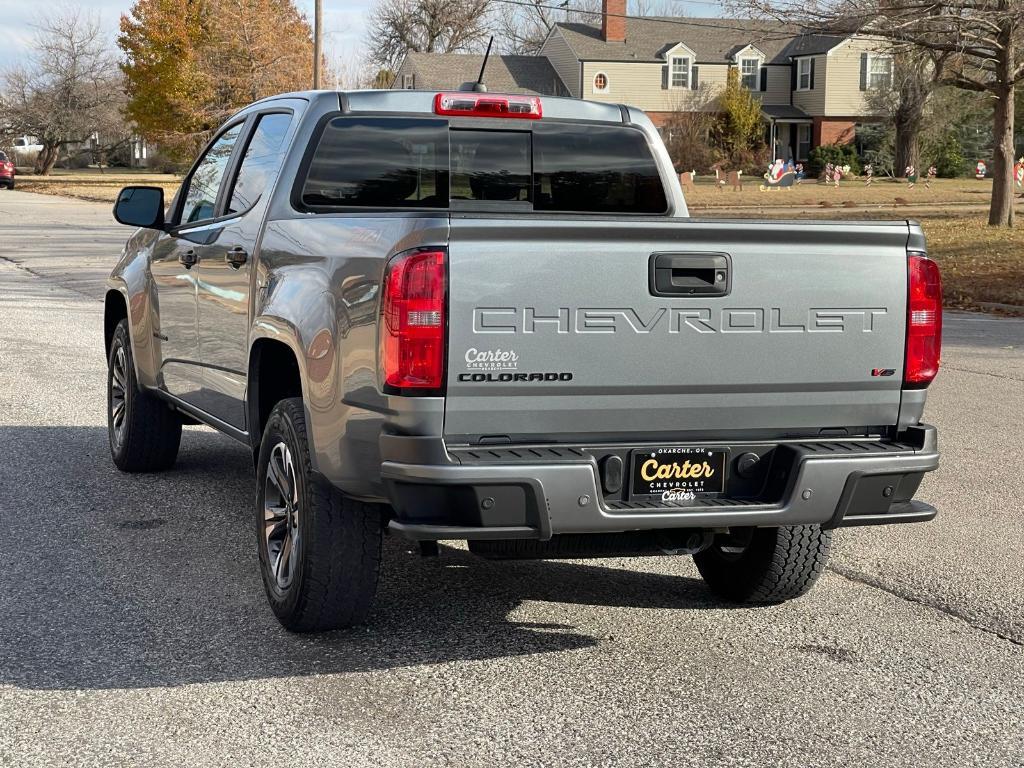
425, 26
522, 27
69, 89
978, 44
915, 75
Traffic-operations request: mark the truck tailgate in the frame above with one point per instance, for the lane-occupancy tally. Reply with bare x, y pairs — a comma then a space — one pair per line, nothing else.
555, 331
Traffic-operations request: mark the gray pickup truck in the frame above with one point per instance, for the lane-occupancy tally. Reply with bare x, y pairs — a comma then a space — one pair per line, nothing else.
485, 317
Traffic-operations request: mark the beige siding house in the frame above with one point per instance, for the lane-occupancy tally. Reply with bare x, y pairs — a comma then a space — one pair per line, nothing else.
562, 60
813, 88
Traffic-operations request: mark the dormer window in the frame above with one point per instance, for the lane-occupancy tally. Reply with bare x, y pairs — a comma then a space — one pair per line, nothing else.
804, 74
680, 71
750, 73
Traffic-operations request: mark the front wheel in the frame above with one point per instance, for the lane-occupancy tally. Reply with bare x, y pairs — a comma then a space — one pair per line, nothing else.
319, 550
144, 433
765, 565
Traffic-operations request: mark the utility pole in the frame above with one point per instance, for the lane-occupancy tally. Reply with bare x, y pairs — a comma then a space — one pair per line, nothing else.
318, 41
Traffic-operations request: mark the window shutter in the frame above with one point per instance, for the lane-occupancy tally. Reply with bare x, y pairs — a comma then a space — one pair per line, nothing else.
665, 74
812, 74
794, 70
694, 74
764, 78
863, 71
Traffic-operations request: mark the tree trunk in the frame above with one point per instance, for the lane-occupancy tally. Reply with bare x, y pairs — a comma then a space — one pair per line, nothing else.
914, 88
1001, 211
46, 159
907, 146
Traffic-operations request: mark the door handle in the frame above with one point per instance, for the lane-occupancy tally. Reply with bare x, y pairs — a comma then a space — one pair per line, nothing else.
189, 258
690, 274
236, 256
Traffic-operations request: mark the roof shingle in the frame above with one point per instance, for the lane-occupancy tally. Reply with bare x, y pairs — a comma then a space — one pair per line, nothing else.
712, 40
504, 74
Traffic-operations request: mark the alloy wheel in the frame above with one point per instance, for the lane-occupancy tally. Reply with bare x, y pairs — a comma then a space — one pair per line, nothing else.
119, 395
281, 516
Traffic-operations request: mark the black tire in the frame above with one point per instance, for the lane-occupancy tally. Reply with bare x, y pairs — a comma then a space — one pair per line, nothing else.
765, 565
320, 554
144, 433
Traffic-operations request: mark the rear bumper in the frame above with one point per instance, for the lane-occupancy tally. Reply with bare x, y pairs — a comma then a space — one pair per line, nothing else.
541, 491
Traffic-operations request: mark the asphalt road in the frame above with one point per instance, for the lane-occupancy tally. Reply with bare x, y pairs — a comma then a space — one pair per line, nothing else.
133, 628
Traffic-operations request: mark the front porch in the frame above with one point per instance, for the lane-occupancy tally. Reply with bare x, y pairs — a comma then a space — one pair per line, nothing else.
789, 131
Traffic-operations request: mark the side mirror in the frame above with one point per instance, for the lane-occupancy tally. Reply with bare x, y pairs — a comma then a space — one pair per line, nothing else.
140, 207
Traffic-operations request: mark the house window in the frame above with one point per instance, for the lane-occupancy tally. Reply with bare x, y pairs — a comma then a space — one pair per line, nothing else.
680, 71
408, 82
803, 141
600, 83
750, 74
880, 72
803, 82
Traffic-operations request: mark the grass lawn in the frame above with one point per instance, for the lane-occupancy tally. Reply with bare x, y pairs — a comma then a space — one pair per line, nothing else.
979, 263
850, 193
91, 184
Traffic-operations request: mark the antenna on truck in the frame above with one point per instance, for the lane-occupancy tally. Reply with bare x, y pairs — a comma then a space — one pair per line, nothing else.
479, 86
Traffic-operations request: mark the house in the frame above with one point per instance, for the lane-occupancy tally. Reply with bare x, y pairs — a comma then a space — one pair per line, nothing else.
813, 88
504, 74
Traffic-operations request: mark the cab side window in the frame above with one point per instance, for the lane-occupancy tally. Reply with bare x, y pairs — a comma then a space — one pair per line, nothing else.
201, 196
262, 160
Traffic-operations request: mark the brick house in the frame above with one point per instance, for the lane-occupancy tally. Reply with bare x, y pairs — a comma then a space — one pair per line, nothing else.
813, 88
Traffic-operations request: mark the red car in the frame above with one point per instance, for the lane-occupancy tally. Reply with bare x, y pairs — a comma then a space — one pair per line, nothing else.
6, 171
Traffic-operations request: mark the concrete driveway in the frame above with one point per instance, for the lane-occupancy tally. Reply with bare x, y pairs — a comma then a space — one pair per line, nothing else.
133, 628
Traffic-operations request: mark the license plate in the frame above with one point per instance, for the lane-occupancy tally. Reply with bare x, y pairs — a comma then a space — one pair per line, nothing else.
678, 474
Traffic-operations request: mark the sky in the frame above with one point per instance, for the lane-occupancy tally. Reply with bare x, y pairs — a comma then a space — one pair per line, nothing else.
344, 24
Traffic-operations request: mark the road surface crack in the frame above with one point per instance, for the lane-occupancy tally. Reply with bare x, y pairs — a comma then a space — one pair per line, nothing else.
48, 278
861, 578
948, 367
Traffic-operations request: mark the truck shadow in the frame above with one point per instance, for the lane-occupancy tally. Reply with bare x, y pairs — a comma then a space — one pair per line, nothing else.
117, 581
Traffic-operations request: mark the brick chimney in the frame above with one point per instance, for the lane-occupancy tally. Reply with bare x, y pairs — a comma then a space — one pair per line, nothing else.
613, 23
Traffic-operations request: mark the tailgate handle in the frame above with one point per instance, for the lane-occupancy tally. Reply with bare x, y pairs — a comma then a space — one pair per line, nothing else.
690, 274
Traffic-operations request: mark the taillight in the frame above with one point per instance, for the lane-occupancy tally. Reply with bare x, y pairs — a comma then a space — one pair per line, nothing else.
924, 321
487, 105
413, 317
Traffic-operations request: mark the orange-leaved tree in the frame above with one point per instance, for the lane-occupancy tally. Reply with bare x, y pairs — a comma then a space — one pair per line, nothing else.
189, 64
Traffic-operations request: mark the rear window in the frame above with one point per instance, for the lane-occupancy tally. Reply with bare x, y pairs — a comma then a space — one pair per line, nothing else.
414, 163
602, 169
379, 163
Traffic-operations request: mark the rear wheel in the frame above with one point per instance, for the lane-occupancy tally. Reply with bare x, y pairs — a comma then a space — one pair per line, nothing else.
765, 565
144, 433
319, 550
